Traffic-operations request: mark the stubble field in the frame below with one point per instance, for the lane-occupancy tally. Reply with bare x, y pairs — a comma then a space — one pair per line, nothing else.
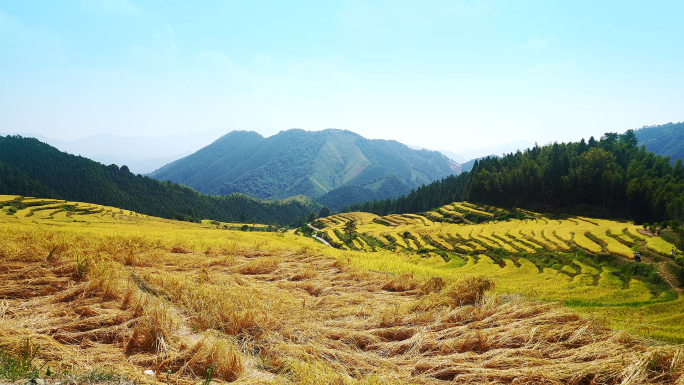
100, 290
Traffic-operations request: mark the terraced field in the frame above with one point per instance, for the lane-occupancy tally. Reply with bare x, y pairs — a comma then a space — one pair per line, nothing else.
103, 294
586, 263
515, 236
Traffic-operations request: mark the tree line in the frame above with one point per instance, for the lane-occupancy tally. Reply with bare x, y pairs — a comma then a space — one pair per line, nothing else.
31, 168
612, 175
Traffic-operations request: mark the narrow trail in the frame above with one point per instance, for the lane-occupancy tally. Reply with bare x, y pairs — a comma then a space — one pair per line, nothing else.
317, 237
662, 266
664, 271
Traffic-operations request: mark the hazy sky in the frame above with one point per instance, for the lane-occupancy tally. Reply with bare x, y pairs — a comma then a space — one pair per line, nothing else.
438, 74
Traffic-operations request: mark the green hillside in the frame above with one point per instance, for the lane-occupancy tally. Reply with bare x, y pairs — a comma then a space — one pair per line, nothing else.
31, 168
663, 140
340, 197
298, 162
610, 177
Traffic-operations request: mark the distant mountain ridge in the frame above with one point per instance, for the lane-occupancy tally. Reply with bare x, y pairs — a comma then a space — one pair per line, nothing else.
614, 177
310, 163
470, 154
664, 140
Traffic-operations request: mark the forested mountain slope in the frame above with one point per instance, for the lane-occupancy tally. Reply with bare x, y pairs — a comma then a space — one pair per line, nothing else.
30, 167
391, 187
665, 140
298, 162
612, 175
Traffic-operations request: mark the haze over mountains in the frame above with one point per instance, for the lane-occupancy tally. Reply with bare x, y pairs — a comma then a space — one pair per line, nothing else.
145, 154
142, 154
468, 154
310, 163
336, 168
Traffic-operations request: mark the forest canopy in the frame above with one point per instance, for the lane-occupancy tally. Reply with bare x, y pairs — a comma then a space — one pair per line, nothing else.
31, 168
612, 173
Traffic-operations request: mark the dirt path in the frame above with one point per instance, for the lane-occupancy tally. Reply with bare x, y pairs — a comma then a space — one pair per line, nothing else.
662, 266
317, 237
663, 269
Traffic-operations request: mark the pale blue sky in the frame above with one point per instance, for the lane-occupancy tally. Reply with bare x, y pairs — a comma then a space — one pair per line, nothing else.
439, 74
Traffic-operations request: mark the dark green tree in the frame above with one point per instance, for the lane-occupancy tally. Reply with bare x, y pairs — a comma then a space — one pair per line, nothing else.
349, 228
325, 211
31, 168
611, 177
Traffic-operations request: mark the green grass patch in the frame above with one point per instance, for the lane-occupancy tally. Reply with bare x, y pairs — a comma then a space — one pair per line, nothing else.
16, 366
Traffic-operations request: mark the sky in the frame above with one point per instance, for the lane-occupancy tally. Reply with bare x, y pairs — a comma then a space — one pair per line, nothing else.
445, 75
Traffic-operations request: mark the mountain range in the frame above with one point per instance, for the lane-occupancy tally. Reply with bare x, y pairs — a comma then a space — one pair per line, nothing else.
310, 163
664, 140
470, 154
334, 167
145, 154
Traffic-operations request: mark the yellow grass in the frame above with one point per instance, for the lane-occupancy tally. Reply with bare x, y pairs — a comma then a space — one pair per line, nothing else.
255, 308
436, 214
440, 241
618, 231
582, 241
455, 213
634, 233
420, 219
400, 240
139, 293
8, 198
659, 245
551, 236
517, 232
472, 209
529, 236
478, 234
663, 321
613, 246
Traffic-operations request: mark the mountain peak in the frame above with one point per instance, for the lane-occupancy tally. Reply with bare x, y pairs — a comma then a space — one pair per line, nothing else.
309, 163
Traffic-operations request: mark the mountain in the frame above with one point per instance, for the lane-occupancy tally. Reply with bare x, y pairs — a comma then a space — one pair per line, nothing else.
298, 162
138, 165
665, 140
142, 154
466, 158
458, 158
347, 195
31, 168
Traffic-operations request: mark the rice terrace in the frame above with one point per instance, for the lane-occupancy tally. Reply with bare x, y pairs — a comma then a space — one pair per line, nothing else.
94, 293
345, 192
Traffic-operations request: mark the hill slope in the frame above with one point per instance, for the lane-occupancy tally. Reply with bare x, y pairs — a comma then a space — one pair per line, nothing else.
611, 177
142, 154
663, 140
191, 304
30, 167
298, 162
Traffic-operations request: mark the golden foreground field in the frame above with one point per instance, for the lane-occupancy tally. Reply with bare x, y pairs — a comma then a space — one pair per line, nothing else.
101, 290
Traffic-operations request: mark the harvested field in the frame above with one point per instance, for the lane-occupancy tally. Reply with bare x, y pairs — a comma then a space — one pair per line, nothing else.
253, 312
